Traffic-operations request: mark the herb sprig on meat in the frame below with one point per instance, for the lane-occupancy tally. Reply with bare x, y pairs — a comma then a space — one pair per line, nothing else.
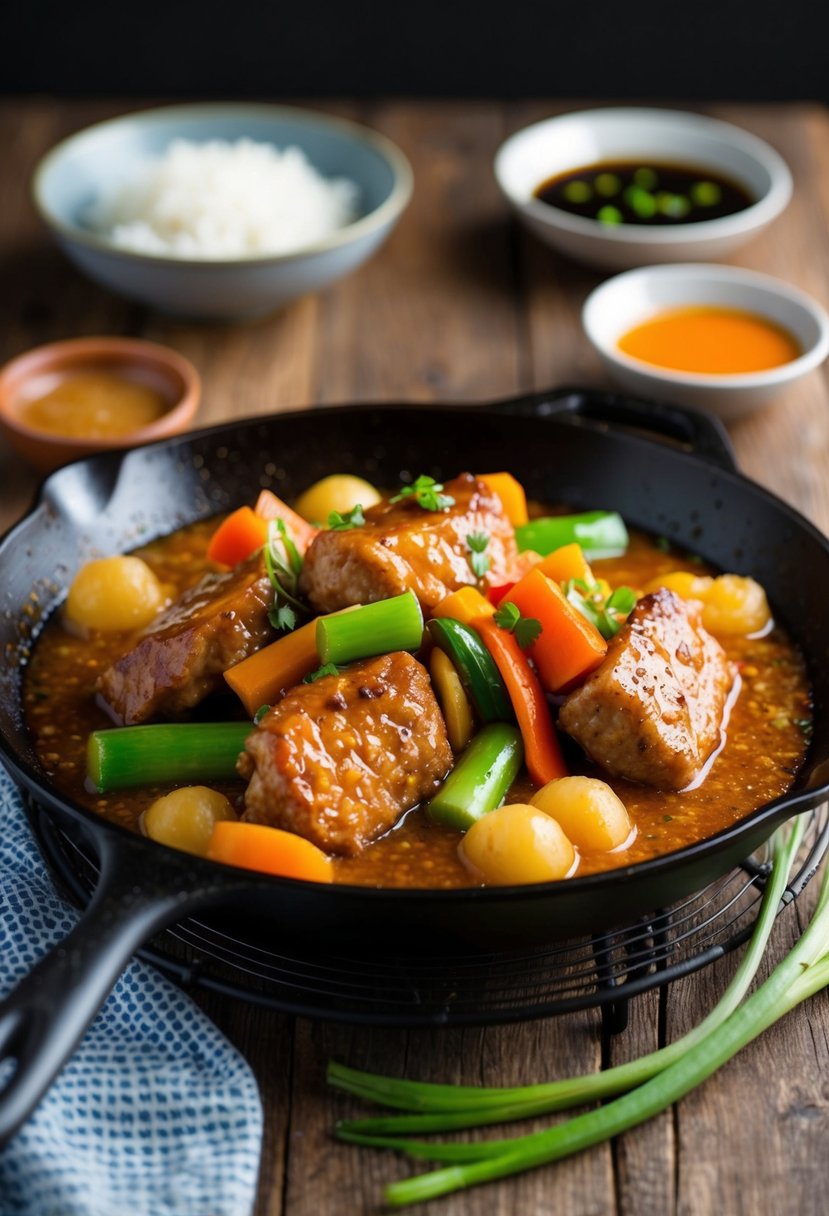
283, 562
427, 494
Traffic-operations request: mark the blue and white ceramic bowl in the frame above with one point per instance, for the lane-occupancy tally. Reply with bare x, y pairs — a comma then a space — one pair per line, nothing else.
97, 160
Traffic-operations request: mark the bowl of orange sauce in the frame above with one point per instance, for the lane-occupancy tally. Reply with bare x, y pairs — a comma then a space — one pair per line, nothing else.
716, 337
70, 399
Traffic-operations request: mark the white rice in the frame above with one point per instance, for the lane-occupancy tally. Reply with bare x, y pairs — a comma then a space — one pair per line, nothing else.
224, 200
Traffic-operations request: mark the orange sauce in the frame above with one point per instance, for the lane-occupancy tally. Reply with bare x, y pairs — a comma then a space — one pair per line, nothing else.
94, 405
714, 341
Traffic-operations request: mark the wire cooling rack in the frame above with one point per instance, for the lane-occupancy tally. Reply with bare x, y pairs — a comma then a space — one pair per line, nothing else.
603, 971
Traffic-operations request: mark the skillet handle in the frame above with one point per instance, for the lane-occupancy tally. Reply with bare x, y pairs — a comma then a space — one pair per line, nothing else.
694, 430
45, 1017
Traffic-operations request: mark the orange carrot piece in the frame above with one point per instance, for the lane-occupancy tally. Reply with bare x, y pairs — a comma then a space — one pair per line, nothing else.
511, 493
542, 752
568, 647
236, 537
465, 605
566, 563
259, 678
252, 846
268, 507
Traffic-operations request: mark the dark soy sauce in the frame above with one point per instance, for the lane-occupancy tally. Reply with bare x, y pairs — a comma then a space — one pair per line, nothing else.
644, 192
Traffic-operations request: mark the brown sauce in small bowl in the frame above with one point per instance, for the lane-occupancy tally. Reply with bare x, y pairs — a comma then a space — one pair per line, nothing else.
94, 404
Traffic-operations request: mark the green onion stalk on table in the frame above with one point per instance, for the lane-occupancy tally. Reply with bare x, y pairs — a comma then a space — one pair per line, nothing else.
644, 1087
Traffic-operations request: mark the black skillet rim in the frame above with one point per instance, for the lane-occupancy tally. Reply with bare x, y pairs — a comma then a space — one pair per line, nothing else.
782, 807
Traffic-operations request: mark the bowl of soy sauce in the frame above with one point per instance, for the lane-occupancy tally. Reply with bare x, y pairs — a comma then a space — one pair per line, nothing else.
625, 187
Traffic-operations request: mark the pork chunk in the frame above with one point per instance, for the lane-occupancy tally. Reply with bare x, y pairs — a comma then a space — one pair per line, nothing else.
402, 547
181, 657
338, 761
652, 712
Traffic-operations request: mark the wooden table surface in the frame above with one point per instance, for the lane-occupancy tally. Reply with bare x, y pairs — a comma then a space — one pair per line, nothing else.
460, 305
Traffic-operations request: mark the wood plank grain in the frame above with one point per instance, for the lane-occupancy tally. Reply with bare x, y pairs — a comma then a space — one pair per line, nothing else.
432, 318
644, 1158
646, 1163
748, 1139
772, 444
459, 305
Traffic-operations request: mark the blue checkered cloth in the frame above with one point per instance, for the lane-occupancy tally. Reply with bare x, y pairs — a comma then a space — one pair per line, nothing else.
155, 1115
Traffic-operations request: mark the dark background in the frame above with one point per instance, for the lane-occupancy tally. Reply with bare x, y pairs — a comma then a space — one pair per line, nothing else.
731, 49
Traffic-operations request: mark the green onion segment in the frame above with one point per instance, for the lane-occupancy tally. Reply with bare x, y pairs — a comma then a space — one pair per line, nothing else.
648, 1085
600, 533
170, 751
388, 625
481, 777
475, 666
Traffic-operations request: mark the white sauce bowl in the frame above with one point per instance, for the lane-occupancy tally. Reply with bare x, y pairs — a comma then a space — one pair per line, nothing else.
630, 299
558, 145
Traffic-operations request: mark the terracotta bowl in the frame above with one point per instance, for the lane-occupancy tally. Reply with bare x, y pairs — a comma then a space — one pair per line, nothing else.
29, 375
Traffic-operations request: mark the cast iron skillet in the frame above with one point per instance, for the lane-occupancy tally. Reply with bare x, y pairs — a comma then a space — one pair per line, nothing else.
665, 469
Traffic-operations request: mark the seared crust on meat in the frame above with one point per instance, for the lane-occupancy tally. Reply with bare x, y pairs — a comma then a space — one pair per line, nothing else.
180, 659
401, 547
652, 712
338, 761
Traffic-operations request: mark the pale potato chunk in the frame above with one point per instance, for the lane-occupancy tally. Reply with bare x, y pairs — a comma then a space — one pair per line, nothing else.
517, 844
587, 810
185, 818
113, 594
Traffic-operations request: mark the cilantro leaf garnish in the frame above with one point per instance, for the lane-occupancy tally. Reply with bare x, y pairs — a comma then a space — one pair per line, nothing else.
354, 518
476, 543
283, 618
525, 629
507, 616
426, 493
607, 612
327, 669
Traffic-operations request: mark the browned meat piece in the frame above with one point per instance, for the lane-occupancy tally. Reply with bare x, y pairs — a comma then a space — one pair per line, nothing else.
652, 712
181, 657
403, 547
339, 760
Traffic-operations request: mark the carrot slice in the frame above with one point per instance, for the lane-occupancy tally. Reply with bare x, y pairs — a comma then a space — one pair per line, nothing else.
465, 605
566, 563
252, 846
259, 679
542, 751
569, 647
511, 493
242, 533
268, 507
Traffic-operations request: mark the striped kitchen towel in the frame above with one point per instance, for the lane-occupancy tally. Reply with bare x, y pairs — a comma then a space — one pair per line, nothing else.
155, 1115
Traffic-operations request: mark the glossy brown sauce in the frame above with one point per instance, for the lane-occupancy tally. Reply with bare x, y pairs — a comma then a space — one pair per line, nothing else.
766, 739
94, 405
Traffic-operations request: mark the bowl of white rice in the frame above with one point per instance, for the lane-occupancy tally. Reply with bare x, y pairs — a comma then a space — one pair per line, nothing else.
221, 210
